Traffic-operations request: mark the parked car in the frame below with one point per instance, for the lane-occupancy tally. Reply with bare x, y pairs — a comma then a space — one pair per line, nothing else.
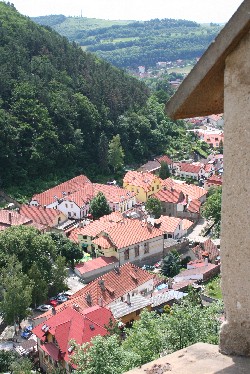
61, 299
44, 307
53, 302
27, 332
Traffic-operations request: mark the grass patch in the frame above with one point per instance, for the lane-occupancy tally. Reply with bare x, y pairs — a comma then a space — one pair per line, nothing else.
213, 288
184, 70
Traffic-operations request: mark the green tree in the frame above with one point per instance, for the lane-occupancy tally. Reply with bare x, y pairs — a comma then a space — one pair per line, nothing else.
115, 153
99, 206
153, 206
21, 366
40, 286
171, 264
58, 276
212, 208
164, 171
67, 248
16, 292
104, 355
6, 358
103, 148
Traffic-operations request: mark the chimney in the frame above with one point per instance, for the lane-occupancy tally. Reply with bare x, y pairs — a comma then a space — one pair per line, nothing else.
206, 261
187, 199
75, 306
10, 218
100, 301
44, 207
128, 299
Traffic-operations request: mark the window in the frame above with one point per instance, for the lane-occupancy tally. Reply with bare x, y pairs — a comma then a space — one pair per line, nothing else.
71, 205
136, 250
164, 210
137, 191
153, 188
146, 248
75, 214
157, 187
84, 236
69, 214
126, 254
66, 205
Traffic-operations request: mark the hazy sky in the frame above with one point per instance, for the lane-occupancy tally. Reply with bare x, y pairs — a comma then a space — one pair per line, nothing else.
196, 10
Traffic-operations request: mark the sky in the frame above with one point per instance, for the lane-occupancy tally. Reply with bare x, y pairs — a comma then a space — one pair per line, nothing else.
202, 11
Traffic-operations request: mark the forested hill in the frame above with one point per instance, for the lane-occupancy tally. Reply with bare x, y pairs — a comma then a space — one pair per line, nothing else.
55, 100
136, 43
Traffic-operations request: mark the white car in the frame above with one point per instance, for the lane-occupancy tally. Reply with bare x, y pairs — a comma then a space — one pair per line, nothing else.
44, 307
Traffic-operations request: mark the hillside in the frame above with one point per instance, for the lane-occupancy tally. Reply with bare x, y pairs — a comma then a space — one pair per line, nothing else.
55, 101
138, 43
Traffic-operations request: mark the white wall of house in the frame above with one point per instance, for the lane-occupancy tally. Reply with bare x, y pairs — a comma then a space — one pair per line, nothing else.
146, 249
70, 209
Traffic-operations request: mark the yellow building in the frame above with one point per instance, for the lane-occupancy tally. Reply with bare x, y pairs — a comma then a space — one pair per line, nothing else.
143, 184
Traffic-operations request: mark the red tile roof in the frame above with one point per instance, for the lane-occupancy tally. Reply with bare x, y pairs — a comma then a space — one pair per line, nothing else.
186, 224
194, 206
140, 179
97, 263
200, 270
44, 216
129, 232
115, 285
168, 224
113, 194
169, 196
209, 247
214, 179
193, 192
164, 158
13, 218
72, 324
96, 227
103, 242
190, 168
68, 187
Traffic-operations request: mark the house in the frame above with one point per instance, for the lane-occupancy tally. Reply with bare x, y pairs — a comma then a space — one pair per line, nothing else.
73, 197
164, 297
170, 200
211, 136
172, 227
143, 184
50, 218
130, 241
129, 308
193, 170
199, 272
9, 218
155, 165
92, 269
109, 289
190, 191
55, 332
84, 235
213, 181
207, 249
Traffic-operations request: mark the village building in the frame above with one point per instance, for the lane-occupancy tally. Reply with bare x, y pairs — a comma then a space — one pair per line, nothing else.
213, 181
172, 227
51, 219
92, 269
142, 184
57, 330
9, 218
193, 170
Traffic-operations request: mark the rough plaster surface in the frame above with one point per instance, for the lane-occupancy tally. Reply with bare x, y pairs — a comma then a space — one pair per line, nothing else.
235, 233
200, 358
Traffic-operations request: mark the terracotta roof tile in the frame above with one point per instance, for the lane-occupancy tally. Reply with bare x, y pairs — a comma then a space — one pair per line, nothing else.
68, 187
140, 179
190, 168
186, 224
164, 158
13, 218
97, 263
168, 224
194, 206
69, 323
44, 216
129, 232
103, 242
193, 192
169, 196
96, 227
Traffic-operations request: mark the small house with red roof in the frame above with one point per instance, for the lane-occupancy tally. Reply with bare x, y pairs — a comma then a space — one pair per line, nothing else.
142, 184
155, 165
50, 218
173, 227
193, 170
9, 218
55, 333
92, 269
213, 181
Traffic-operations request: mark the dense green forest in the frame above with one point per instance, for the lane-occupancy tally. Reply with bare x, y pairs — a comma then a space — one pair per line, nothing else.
136, 43
61, 108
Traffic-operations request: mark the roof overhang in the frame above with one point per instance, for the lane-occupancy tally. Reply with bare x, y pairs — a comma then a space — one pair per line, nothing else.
202, 91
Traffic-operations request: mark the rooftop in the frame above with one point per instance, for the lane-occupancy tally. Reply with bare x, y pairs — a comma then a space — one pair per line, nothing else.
97, 263
44, 216
140, 179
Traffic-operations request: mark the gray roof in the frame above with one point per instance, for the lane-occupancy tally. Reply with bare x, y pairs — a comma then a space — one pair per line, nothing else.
122, 308
163, 297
